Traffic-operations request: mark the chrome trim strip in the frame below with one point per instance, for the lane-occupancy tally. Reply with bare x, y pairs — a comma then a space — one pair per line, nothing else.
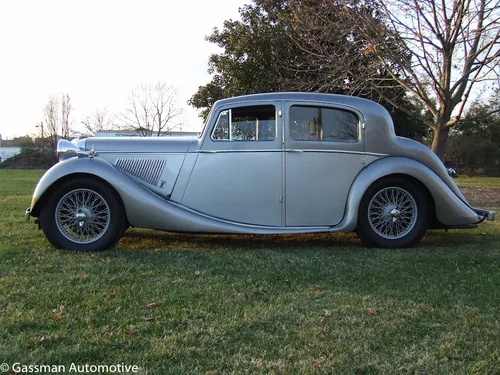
375, 154
232, 151
298, 151
340, 152
145, 152
235, 151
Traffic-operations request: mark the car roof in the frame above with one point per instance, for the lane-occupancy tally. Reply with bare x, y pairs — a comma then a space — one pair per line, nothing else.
347, 100
373, 113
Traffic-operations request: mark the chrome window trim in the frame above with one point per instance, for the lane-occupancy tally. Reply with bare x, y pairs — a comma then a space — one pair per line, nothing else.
322, 105
230, 124
215, 126
250, 104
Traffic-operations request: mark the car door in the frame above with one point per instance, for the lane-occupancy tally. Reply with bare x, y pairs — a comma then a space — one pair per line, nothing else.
324, 150
238, 173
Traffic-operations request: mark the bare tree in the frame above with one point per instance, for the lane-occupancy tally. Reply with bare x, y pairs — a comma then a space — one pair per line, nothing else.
137, 117
65, 112
99, 120
57, 113
165, 107
51, 114
436, 51
153, 109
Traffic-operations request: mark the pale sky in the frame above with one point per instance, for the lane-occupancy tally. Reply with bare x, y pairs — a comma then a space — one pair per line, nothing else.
98, 50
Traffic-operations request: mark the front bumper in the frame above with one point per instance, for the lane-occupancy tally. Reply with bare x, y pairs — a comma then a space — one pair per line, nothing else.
486, 215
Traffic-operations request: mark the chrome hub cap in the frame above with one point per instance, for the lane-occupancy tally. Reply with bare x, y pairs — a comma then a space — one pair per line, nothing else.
395, 214
82, 216
392, 213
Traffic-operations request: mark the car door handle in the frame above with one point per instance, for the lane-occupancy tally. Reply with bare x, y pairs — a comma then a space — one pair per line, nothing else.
208, 152
294, 151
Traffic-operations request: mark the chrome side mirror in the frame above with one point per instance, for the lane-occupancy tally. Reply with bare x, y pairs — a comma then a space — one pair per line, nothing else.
452, 173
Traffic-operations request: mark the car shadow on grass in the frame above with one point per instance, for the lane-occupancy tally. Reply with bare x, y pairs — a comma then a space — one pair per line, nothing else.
141, 239
167, 240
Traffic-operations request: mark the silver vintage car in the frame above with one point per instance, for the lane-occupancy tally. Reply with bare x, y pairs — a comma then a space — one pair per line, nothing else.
264, 164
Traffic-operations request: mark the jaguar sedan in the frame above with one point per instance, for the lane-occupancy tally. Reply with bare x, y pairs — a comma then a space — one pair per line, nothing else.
264, 164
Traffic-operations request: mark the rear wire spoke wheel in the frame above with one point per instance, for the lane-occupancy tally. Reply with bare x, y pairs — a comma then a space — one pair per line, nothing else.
83, 215
394, 212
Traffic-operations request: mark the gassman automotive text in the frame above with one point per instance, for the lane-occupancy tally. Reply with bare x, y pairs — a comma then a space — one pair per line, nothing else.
74, 368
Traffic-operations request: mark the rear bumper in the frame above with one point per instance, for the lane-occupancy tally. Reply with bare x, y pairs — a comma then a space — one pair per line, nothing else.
485, 215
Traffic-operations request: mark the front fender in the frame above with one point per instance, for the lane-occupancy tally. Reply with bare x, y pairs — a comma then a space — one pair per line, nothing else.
451, 210
89, 166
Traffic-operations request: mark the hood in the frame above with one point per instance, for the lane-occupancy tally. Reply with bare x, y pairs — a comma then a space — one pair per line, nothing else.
141, 144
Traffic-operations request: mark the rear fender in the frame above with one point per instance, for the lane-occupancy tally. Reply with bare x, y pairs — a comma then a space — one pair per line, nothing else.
451, 210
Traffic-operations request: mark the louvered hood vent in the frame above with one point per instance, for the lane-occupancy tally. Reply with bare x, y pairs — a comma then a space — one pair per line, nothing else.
147, 170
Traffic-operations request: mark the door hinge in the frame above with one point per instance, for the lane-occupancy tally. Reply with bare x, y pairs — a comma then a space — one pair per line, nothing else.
280, 113
363, 160
281, 199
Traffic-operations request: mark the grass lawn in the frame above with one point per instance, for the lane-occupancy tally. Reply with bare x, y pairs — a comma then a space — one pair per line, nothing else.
317, 304
483, 182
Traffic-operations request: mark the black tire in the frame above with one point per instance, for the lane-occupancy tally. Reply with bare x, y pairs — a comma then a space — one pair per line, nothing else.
100, 212
384, 223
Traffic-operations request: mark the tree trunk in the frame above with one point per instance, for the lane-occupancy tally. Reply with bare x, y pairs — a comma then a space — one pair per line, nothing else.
439, 141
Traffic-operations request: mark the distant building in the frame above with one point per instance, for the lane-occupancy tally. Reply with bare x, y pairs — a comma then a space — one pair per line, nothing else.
131, 133
9, 148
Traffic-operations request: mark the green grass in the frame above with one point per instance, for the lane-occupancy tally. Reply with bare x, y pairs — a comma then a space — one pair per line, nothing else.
485, 182
174, 303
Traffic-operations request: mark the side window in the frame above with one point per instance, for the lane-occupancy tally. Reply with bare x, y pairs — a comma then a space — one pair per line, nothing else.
254, 123
221, 131
322, 124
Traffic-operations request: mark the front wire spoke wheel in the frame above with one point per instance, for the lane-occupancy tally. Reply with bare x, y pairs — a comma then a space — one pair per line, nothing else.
392, 212
82, 216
